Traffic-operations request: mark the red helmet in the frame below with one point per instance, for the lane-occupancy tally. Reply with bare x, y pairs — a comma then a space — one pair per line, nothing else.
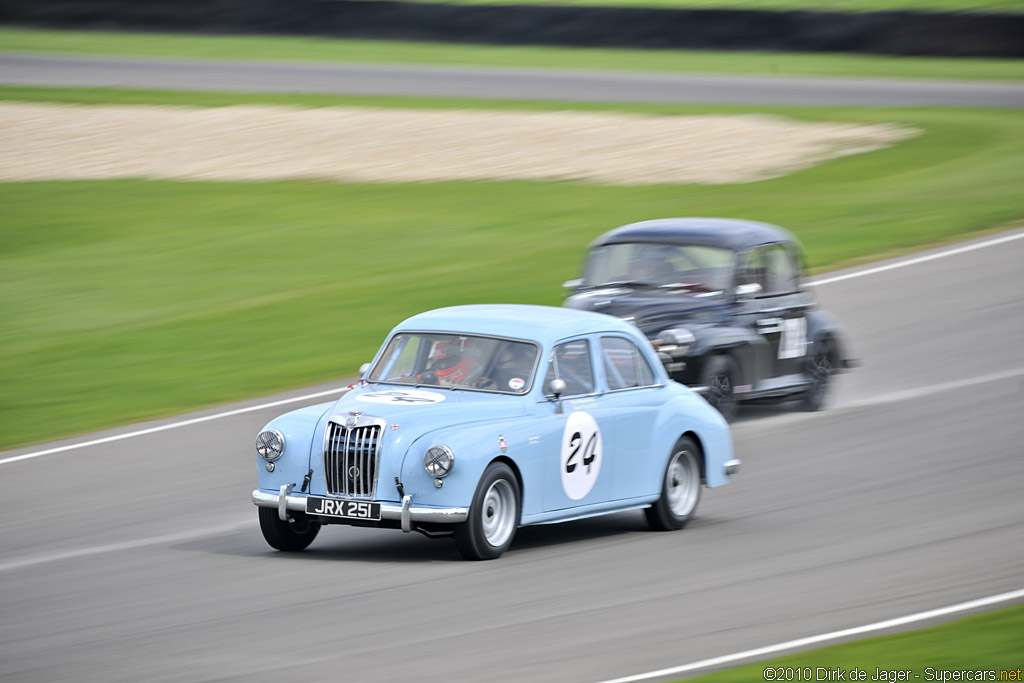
451, 363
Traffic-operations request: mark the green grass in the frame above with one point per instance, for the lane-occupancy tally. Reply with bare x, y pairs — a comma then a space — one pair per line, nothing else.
985, 642
125, 300
1011, 6
391, 52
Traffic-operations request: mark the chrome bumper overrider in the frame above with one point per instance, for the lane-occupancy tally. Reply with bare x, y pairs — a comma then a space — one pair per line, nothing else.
732, 466
392, 511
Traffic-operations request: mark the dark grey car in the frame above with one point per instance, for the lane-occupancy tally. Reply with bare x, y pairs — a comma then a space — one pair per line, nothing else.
723, 301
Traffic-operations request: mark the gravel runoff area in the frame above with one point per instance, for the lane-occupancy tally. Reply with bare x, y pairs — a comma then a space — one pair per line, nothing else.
362, 144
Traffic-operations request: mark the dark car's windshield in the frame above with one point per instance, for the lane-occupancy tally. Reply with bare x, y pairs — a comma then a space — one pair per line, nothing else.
670, 267
458, 362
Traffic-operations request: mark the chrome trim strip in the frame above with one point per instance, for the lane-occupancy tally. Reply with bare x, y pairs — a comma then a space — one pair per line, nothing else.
732, 466
699, 388
389, 511
406, 513
282, 501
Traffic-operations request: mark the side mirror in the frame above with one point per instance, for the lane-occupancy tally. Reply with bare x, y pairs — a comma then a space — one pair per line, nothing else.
557, 387
363, 369
751, 289
572, 285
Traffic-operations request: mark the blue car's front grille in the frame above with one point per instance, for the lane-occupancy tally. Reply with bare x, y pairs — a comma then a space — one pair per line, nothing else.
350, 460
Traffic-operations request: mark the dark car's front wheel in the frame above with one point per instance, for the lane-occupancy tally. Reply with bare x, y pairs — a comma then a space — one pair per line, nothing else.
680, 489
287, 536
720, 379
493, 517
819, 372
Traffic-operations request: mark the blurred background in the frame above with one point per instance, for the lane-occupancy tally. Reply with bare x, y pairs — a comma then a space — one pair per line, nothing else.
207, 202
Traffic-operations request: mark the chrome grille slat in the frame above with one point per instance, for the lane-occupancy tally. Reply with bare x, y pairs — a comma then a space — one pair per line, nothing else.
356, 447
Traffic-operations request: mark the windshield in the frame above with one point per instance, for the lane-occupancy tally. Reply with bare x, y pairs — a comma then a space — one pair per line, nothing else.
457, 362
682, 268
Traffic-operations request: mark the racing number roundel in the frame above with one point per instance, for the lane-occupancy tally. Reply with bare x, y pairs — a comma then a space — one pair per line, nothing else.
581, 454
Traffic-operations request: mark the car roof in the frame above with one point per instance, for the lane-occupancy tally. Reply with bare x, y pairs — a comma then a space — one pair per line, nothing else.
729, 233
544, 324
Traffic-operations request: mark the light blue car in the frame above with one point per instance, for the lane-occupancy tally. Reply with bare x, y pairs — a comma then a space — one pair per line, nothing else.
475, 420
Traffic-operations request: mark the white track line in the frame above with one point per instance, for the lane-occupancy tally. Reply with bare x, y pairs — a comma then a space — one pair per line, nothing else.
825, 637
919, 259
174, 425
788, 419
125, 545
185, 423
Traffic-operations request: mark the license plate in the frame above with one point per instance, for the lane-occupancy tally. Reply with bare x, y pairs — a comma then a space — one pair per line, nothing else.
348, 509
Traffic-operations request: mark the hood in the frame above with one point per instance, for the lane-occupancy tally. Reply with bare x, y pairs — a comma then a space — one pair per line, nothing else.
411, 413
650, 312
420, 409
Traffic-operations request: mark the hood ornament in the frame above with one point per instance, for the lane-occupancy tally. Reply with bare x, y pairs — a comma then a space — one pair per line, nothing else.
352, 419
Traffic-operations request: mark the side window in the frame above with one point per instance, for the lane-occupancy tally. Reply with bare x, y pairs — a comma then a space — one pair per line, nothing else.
753, 269
781, 270
571, 362
624, 365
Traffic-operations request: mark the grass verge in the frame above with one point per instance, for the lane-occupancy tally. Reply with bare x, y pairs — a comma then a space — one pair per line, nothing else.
269, 48
981, 643
126, 300
1002, 6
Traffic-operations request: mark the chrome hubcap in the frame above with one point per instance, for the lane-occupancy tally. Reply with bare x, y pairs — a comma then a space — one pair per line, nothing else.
499, 518
720, 390
682, 483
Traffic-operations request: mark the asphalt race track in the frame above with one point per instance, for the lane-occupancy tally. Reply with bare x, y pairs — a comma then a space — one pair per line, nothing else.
82, 71
141, 559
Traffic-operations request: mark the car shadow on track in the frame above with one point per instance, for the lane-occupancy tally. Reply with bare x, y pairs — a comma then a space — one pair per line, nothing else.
343, 544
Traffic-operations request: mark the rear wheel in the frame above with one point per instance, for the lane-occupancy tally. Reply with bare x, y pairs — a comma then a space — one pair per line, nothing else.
819, 371
493, 516
720, 373
287, 536
680, 489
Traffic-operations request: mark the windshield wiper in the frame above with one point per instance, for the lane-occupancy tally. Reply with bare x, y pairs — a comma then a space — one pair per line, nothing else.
638, 284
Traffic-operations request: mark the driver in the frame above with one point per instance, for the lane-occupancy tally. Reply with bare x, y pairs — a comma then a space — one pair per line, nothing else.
455, 363
650, 264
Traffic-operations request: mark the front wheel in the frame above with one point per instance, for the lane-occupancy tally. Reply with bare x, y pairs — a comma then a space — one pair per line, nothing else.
819, 371
287, 536
720, 373
493, 516
680, 489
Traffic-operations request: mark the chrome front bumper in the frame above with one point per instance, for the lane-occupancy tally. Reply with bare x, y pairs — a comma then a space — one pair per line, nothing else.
403, 512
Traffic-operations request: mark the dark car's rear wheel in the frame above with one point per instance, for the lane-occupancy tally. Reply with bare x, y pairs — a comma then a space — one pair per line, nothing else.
680, 489
493, 516
287, 536
819, 371
720, 373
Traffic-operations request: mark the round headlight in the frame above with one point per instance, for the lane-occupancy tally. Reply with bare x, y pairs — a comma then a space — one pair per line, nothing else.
270, 444
438, 460
675, 342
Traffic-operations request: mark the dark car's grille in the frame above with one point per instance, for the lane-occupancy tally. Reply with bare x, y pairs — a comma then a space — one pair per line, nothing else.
351, 458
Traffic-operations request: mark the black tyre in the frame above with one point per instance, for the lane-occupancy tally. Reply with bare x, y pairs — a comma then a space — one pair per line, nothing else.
720, 373
287, 536
680, 489
493, 517
819, 371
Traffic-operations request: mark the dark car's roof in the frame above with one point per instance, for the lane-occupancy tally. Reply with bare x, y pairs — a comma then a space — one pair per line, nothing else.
729, 233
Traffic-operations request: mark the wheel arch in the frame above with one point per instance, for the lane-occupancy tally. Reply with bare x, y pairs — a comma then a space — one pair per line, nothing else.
519, 480
700, 451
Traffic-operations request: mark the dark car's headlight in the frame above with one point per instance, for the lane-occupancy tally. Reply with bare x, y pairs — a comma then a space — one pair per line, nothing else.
270, 444
438, 460
675, 342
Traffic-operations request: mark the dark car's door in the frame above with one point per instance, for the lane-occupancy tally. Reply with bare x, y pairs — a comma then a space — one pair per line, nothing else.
776, 314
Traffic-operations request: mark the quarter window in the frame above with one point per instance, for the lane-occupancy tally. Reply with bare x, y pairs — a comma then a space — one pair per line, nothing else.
571, 362
624, 366
772, 267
